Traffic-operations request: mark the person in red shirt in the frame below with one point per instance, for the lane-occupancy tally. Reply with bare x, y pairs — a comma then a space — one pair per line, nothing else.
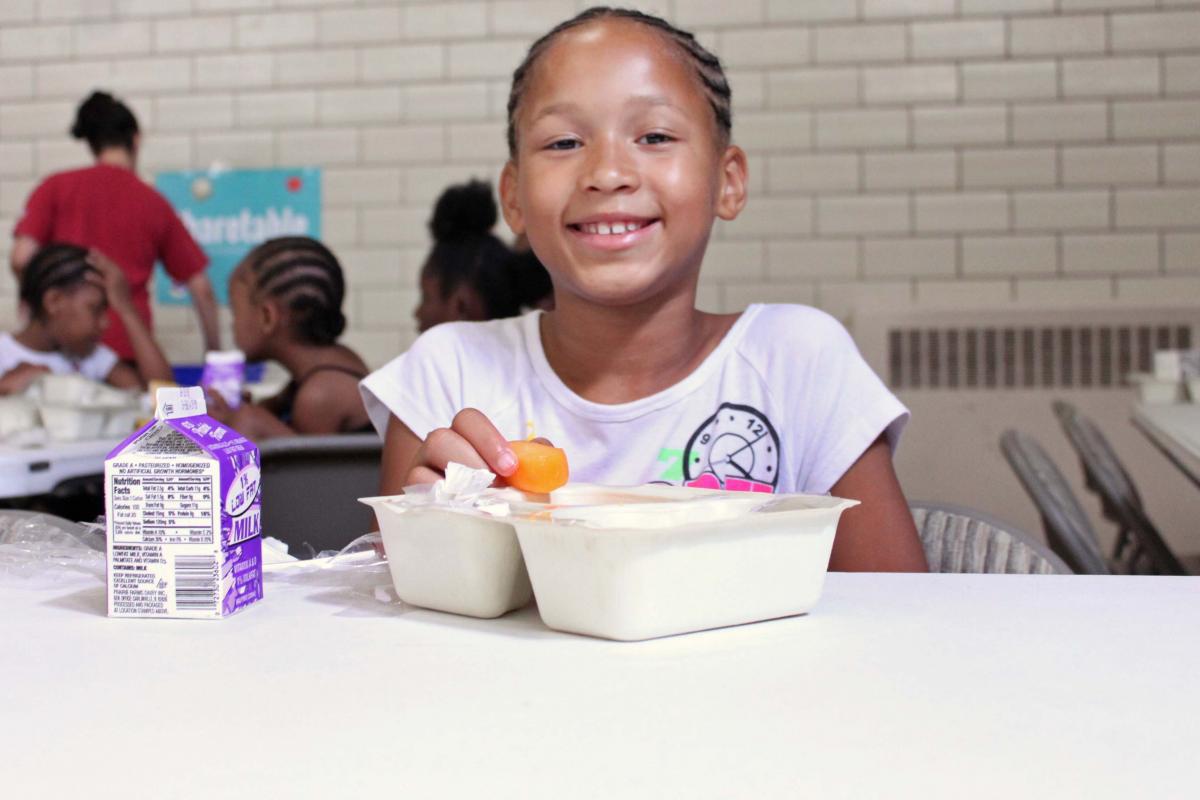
107, 207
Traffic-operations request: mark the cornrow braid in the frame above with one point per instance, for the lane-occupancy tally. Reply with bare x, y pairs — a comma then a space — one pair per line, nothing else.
707, 66
307, 279
55, 266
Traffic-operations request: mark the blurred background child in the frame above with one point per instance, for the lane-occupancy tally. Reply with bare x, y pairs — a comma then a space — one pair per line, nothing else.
470, 275
109, 208
69, 292
286, 297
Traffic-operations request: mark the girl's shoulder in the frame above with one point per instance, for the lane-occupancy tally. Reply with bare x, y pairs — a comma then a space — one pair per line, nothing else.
793, 329
472, 339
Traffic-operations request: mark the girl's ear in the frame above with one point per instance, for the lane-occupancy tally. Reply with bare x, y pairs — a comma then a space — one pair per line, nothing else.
508, 198
269, 317
731, 191
53, 300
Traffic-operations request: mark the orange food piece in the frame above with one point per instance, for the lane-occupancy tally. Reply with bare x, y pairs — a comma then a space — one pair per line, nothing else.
540, 468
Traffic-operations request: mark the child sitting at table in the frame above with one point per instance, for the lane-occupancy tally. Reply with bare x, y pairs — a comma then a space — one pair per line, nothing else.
470, 274
286, 297
68, 291
620, 160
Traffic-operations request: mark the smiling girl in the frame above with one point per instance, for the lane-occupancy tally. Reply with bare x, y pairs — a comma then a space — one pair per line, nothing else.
620, 161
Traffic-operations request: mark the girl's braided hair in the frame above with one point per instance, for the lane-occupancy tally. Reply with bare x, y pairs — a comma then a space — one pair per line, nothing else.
707, 66
307, 279
55, 266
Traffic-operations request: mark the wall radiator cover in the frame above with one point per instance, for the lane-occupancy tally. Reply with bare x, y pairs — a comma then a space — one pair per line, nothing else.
968, 375
983, 352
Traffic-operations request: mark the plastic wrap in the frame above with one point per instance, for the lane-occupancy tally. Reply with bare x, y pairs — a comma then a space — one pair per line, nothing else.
44, 550
358, 568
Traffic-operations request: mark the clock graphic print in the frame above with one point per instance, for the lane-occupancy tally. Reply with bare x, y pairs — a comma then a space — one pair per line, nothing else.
736, 448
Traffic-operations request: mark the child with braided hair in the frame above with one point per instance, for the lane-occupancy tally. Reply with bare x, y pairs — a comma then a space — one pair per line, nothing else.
286, 297
68, 292
620, 160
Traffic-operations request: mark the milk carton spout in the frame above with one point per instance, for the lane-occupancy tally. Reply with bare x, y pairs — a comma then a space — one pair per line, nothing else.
178, 402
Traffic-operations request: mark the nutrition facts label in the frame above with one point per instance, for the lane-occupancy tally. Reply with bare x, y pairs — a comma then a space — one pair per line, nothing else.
164, 503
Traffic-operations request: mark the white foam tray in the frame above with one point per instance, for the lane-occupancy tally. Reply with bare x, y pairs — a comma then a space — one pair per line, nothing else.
600, 566
637, 583
452, 561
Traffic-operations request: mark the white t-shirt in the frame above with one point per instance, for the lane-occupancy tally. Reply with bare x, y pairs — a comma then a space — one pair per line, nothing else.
785, 403
96, 365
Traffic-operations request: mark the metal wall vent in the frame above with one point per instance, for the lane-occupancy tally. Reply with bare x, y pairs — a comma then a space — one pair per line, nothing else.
1026, 357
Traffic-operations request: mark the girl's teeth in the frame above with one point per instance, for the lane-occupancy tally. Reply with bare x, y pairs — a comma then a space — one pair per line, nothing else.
615, 228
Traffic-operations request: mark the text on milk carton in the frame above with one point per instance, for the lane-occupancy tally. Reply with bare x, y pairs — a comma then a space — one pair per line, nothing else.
184, 518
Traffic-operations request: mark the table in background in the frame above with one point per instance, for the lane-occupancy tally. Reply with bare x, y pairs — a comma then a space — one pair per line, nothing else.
30, 471
1175, 430
895, 686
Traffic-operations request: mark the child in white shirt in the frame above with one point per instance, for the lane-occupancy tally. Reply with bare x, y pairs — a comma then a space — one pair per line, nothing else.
67, 291
620, 160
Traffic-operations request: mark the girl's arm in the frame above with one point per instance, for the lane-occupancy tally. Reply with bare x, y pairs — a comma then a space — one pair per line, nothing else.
471, 440
17, 379
254, 422
23, 249
324, 403
879, 535
151, 363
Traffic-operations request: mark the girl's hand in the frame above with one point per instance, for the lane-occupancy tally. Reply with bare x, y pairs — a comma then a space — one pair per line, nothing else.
250, 420
116, 285
218, 408
471, 440
17, 379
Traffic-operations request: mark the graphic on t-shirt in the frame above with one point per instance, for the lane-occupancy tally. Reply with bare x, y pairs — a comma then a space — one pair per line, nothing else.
736, 448
673, 472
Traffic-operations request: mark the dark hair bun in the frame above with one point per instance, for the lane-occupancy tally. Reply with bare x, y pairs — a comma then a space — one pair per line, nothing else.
464, 211
92, 114
105, 122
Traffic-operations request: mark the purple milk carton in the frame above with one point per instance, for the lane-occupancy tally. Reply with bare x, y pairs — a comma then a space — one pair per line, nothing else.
225, 373
183, 508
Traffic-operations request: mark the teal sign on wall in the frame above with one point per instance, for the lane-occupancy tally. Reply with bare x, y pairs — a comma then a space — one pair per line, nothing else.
230, 211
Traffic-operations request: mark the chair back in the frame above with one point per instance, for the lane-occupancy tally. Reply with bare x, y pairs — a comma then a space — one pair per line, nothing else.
1140, 548
311, 486
1095, 452
1068, 530
958, 539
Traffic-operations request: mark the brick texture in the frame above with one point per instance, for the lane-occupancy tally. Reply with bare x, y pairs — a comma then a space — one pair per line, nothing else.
942, 152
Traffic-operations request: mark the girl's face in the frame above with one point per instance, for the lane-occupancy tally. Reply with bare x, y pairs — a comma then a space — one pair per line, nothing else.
249, 324
77, 317
619, 171
434, 309
437, 306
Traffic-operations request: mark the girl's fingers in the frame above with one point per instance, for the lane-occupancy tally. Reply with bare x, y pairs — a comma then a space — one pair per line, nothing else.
419, 475
485, 440
445, 445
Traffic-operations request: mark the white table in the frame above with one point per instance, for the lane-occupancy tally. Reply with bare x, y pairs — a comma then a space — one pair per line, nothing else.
29, 471
1175, 430
895, 686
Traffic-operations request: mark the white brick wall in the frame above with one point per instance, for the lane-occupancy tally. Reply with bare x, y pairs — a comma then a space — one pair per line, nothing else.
953, 152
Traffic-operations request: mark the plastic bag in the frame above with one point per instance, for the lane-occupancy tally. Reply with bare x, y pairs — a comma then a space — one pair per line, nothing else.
359, 569
41, 550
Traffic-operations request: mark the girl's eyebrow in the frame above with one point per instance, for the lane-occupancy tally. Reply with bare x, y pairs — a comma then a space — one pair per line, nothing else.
567, 108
